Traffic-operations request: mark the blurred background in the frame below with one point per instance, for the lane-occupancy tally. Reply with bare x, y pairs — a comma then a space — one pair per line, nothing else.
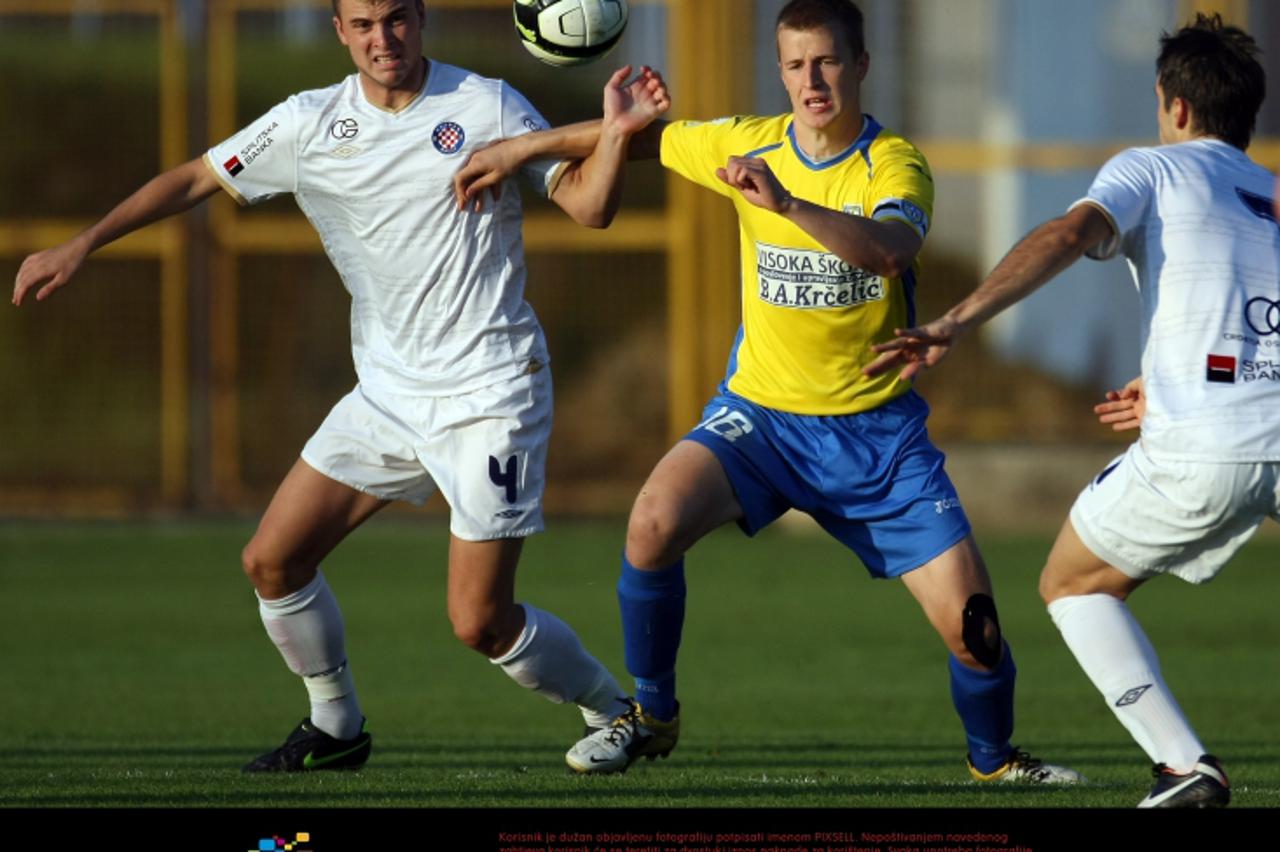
186, 366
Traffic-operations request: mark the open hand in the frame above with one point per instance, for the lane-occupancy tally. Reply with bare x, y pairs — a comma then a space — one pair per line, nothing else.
1124, 408
629, 107
914, 349
48, 270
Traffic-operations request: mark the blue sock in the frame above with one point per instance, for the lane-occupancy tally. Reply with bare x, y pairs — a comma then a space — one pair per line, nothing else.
652, 604
984, 700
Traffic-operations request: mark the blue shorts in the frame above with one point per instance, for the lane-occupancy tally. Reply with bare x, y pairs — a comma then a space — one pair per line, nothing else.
872, 480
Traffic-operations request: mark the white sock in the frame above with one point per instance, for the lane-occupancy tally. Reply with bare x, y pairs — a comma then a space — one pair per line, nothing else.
548, 658
1115, 653
307, 628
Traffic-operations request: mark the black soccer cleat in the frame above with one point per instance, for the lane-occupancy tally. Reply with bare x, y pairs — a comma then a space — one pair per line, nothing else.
308, 749
1205, 786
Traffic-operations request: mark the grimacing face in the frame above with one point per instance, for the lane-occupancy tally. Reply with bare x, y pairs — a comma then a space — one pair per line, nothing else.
384, 38
822, 78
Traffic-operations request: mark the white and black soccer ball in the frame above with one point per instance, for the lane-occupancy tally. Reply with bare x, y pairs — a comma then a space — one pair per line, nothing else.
569, 32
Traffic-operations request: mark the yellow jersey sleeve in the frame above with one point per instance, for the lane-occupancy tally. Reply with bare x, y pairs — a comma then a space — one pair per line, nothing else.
695, 149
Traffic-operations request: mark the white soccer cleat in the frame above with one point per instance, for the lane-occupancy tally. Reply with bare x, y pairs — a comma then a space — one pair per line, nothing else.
629, 737
1025, 769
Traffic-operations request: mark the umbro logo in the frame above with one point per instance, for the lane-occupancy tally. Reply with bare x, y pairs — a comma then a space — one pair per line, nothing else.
1132, 696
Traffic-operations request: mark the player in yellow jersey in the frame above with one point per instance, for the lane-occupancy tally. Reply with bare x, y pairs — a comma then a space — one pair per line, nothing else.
834, 209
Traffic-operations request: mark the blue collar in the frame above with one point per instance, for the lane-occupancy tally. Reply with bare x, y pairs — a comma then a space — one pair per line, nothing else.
870, 130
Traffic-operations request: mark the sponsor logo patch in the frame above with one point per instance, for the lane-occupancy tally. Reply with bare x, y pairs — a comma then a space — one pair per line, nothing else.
448, 137
807, 279
344, 128
1259, 371
258, 146
1221, 369
1263, 315
233, 166
532, 125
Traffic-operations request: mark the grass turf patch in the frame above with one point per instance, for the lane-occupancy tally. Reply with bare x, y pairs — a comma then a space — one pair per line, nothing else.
138, 675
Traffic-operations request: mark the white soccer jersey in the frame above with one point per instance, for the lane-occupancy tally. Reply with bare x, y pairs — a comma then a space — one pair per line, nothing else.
437, 296
1196, 223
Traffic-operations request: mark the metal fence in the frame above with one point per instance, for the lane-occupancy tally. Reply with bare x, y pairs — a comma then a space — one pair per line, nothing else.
195, 356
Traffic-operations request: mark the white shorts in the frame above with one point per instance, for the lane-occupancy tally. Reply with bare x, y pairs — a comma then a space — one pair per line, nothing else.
1146, 517
486, 451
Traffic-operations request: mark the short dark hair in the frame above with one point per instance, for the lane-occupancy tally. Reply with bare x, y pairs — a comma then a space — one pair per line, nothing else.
811, 14
1214, 68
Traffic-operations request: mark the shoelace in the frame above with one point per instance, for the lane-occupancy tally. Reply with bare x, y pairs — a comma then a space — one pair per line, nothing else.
1029, 764
618, 733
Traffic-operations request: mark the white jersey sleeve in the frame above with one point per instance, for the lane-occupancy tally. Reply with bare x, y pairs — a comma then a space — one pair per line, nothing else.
1123, 192
261, 161
518, 118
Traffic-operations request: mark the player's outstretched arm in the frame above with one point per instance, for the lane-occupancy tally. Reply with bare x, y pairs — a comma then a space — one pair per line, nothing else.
1124, 408
885, 248
174, 191
1040, 256
590, 190
487, 168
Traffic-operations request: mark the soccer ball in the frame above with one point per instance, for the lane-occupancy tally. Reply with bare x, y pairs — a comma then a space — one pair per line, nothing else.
569, 32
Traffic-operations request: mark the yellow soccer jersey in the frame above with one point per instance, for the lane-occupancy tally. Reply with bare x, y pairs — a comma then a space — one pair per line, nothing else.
808, 318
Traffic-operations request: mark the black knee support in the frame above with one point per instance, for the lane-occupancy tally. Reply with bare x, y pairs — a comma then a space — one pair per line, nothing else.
978, 611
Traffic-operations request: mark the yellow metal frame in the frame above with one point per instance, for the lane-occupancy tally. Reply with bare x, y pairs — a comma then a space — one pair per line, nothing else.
697, 232
165, 241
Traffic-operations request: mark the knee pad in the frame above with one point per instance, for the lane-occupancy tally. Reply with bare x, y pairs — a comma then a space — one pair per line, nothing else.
978, 611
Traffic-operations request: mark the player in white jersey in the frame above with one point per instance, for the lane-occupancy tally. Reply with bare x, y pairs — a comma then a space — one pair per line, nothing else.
1195, 221
454, 393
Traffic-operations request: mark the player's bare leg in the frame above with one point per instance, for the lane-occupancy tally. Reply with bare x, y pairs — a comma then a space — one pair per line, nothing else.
942, 587
686, 496
1086, 599
1073, 569
481, 594
536, 650
308, 516
954, 591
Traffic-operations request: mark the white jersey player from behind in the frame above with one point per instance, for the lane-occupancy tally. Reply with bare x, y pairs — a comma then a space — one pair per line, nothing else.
454, 391
1195, 218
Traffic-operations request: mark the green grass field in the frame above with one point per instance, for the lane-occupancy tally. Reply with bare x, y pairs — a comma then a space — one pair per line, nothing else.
137, 674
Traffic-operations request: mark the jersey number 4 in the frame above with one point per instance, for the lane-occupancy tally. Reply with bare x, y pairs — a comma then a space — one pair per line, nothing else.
504, 477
